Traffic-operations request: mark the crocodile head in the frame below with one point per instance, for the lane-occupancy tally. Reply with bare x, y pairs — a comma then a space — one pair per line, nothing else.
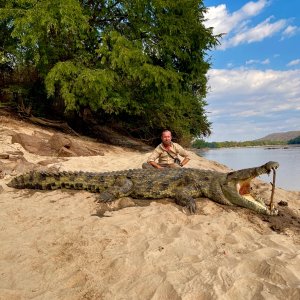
237, 187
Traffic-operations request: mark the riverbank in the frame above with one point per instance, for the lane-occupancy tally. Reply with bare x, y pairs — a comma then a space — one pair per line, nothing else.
56, 244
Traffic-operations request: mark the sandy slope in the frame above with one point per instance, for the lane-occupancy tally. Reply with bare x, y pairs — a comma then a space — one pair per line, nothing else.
56, 245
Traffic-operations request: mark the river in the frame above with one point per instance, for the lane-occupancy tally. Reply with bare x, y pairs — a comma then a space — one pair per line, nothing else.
287, 175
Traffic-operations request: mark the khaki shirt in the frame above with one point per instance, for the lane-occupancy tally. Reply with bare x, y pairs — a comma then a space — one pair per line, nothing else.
163, 157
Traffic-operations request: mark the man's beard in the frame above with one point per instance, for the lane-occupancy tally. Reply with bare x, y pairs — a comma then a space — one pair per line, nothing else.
167, 143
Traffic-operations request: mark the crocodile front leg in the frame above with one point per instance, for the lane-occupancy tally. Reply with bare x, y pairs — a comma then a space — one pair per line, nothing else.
183, 197
121, 188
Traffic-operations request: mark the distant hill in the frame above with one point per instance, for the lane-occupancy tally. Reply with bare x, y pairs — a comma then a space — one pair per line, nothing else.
280, 136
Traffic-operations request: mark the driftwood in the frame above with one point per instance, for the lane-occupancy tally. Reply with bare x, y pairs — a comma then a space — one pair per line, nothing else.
102, 133
26, 112
112, 137
60, 125
273, 189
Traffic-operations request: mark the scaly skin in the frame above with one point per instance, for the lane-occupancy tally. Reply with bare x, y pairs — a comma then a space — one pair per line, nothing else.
184, 185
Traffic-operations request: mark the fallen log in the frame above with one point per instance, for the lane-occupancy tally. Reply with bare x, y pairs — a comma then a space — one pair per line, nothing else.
60, 125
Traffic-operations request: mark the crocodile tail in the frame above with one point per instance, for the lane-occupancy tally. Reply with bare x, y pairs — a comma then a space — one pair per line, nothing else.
32, 180
42, 180
14, 183
20, 182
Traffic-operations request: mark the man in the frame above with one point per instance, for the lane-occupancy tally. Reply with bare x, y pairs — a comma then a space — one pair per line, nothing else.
166, 152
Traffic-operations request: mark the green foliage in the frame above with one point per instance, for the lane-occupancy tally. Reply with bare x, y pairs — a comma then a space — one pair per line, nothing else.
139, 63
47, 31
294, 141
200, 143
81, 86
7, 43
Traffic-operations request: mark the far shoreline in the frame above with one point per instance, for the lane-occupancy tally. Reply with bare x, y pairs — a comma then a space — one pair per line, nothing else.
271, 146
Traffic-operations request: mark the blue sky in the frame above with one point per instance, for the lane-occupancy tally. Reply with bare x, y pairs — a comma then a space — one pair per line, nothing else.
254, 81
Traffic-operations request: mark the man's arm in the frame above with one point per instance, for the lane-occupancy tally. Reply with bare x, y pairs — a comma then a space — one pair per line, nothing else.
182, 152
152, 158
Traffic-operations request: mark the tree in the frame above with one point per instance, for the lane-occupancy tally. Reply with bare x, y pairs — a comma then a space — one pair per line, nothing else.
294, 141
140, 64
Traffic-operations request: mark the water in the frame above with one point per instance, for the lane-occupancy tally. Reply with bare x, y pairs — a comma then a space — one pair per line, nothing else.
287, 175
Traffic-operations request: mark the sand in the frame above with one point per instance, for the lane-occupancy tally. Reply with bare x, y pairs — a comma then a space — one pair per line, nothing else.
56, 244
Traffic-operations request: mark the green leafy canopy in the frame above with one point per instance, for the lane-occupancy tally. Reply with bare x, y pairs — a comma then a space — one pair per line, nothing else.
141, 62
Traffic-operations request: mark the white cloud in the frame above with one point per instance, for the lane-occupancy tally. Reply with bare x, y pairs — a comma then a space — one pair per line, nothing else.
260, 31
290, 31
257, 61
224, 22
253, 8
252, 61
240, 100
236, 26
265, 62
257, 33
294, 62
255, 85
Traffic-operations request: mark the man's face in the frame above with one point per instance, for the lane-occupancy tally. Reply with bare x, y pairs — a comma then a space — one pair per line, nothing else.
166, 138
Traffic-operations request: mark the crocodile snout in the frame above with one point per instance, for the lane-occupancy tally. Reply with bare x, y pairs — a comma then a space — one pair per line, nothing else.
271, 165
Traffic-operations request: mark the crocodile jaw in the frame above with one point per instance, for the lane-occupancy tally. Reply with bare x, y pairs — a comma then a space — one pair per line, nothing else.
237, 187
243, 188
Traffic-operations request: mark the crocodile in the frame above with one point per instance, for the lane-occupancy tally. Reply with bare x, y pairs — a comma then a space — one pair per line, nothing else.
181, 184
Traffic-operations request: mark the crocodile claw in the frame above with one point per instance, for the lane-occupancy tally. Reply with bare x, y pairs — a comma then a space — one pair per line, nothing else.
272, 212
105, 197
191, 206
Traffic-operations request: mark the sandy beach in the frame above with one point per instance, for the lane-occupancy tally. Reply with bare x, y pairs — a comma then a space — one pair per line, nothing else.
64, 245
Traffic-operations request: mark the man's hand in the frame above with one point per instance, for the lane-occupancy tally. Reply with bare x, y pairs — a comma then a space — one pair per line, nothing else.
155, 165
184, 162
